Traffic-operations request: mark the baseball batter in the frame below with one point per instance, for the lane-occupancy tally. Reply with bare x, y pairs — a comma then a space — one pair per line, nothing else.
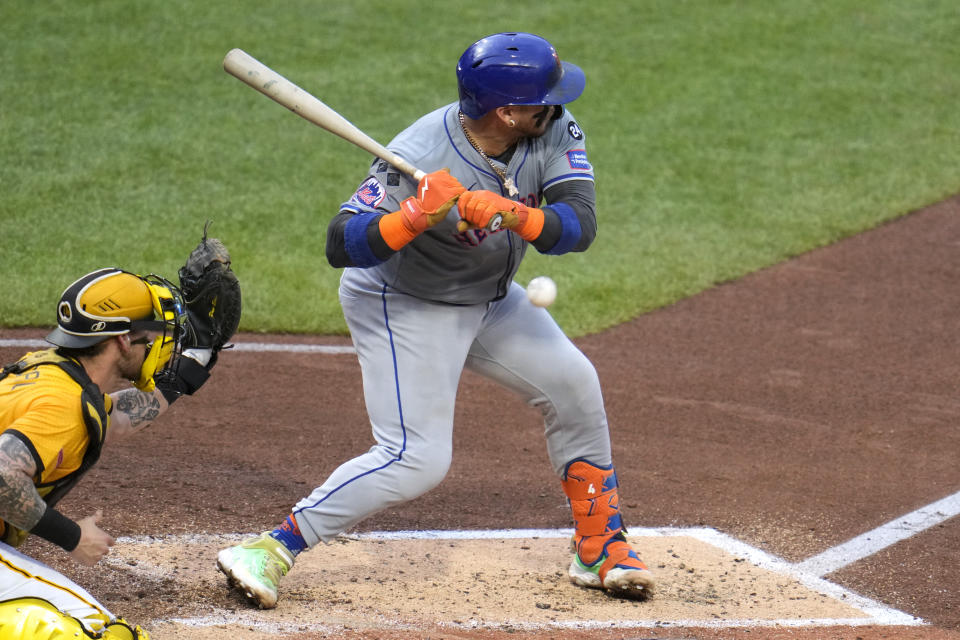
427, 289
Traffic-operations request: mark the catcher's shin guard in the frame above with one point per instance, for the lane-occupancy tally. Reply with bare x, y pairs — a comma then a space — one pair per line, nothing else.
603, 559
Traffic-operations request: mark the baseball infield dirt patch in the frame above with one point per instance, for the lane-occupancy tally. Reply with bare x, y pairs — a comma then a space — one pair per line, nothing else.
516, 584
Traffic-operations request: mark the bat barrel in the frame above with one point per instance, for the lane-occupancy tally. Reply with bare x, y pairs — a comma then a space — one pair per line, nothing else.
259, 76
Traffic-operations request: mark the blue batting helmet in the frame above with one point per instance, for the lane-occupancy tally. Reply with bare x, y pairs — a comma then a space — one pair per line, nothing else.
515, 68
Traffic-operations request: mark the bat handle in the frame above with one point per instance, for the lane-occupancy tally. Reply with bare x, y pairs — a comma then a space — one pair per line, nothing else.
493, 225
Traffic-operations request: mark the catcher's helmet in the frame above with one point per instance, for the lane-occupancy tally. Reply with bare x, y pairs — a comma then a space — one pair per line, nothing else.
515, 69
111, 302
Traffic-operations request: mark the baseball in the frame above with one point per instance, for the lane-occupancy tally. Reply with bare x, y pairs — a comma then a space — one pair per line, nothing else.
542, 291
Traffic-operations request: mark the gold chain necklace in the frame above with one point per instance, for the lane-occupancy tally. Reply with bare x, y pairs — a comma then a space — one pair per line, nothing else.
507, 182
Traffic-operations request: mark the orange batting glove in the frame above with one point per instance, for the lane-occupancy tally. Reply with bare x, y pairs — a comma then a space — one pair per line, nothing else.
487, 210
437, 192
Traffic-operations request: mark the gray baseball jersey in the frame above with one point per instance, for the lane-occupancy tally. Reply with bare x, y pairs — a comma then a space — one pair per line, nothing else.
475, 266
446, 301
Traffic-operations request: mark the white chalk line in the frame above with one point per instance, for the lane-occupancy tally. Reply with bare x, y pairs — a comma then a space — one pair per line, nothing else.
876, 613
869, 543
261, 347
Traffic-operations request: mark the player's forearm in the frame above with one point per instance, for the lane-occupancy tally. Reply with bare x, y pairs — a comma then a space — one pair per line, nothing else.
20, 504
134, 410
570, 220
354, 240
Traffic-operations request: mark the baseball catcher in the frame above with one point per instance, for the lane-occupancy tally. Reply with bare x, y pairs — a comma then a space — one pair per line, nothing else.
124, 349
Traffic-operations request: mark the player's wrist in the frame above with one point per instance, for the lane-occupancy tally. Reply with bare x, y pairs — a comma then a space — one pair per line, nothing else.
398, 228
532, 225
57, 528
184, 377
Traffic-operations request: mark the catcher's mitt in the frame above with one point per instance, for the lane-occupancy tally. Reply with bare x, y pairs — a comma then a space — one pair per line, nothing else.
212, 294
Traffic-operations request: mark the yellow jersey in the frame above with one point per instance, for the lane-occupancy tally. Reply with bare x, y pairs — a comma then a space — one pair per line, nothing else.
48, 403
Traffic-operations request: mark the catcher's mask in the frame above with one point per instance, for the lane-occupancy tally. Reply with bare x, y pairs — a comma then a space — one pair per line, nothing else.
111, 302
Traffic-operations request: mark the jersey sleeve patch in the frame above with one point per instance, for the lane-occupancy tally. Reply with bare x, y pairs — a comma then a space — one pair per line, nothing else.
577, 158
370, 193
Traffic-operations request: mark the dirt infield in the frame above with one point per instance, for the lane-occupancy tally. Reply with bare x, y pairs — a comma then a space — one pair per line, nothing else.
789, 411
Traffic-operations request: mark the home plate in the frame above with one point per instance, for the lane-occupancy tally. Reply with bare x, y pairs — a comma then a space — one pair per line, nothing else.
507, 579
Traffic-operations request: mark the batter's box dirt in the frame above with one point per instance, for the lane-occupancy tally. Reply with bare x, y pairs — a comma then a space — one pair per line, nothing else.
389, 582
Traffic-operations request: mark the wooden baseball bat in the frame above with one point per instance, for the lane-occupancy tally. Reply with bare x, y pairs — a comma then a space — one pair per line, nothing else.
248, 69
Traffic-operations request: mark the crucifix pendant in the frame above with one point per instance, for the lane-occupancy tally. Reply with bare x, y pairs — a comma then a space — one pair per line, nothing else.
511, 187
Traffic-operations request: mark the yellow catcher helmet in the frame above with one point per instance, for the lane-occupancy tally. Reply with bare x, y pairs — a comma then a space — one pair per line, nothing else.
111, 302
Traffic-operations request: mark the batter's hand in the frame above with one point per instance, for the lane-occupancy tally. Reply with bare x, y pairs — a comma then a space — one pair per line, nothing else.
94, 542
482, 208
437, 192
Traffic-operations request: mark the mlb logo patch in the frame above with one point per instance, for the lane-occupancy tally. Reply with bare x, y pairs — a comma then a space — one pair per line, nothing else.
578, 160
370, 193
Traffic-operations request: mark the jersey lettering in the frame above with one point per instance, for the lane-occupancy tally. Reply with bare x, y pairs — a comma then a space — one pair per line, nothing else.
30, 377
472, 237
531, 200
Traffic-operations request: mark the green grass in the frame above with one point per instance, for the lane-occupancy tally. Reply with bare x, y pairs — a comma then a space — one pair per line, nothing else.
726, 136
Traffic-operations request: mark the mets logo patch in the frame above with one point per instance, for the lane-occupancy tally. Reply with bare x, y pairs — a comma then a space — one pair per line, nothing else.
578, 160
370, 193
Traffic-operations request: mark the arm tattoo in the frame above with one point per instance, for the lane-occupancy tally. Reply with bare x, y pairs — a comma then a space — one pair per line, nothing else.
20, 504
139, 406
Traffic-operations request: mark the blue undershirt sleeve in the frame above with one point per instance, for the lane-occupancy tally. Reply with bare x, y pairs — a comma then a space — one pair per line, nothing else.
570, 229
355, 240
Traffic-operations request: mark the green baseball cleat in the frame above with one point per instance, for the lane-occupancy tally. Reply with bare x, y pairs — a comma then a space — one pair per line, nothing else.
255, 567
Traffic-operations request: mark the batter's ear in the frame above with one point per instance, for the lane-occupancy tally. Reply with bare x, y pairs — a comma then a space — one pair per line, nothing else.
506, 116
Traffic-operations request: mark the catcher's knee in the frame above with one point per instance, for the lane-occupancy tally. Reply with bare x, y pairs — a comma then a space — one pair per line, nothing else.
38, 619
